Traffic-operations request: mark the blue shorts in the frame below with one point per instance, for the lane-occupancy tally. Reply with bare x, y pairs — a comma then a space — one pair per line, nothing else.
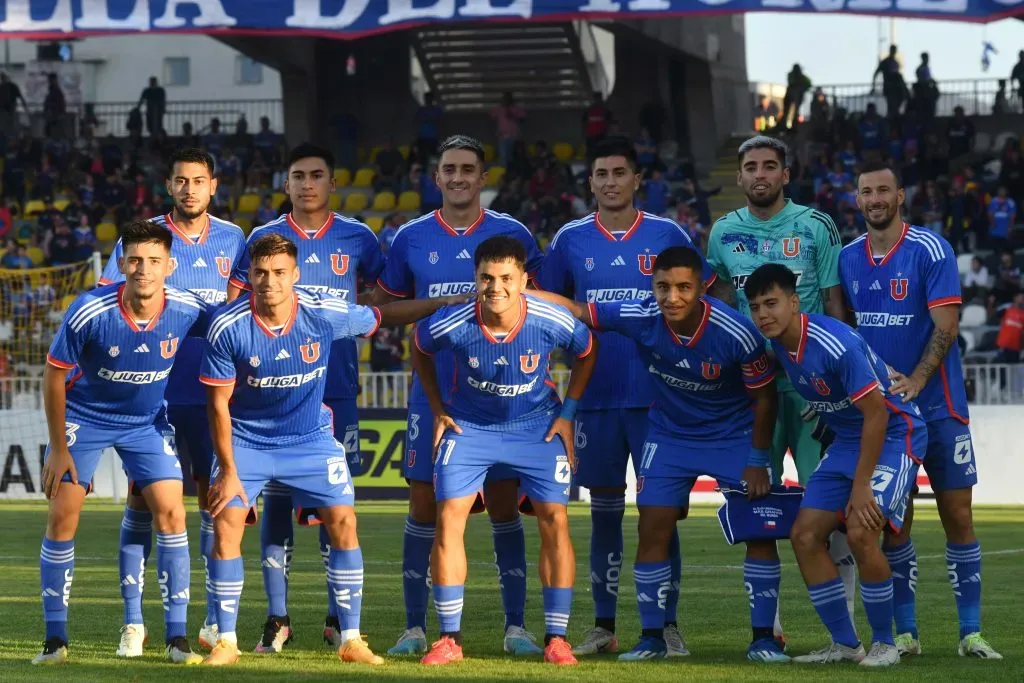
346, 430
465, 460
147, 453
314, 473
604, 441
892, 481
949, 461
192, 437
419, 448
669, 467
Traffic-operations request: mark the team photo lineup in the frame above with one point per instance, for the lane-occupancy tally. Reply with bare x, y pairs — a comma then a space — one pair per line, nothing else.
684, 363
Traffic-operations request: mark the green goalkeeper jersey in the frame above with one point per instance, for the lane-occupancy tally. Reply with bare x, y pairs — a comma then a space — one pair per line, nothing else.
804, 239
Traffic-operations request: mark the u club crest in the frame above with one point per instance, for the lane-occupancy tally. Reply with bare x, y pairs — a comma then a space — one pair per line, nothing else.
589, 263
432, 258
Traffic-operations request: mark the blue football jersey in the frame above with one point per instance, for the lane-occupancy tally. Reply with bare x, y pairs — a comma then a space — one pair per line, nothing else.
202, 266
502, 383
279, 375
699, 383
429, 258
118, 370
587, 262
892, 297
832, 369
332, 260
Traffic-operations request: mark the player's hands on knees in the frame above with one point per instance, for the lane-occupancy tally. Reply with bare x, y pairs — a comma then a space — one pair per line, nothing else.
903, 386
57, 465
759, 482
863, 508
564, 428
442, 424
224, 489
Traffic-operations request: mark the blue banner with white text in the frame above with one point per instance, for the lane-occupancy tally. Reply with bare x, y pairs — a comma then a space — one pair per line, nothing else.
53, 19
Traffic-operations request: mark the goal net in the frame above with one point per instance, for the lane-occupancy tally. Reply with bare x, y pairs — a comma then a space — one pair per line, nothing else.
32, 303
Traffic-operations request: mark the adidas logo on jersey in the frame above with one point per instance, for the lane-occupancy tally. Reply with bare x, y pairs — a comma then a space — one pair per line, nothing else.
619, 261
312, 258
199, 263
683, 364
875, 286
464, 254
501, 361
282, 355
141, 348
740, 248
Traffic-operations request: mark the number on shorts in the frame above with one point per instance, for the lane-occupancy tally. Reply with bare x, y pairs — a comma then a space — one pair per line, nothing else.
444, 450
69, 431
337, 473
581, 438
963, 452
648, 456
414, 426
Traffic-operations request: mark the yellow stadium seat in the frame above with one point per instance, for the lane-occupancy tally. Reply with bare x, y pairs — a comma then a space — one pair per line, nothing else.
277, 199
581, 151
384, 201
244, 223
334, 202
342, 177
409, 201
355, 202
33, 207
375, 223
373, 154
404, 151
248, 203
364, 353
90, 279
495, 175
563, 151
37, 255
488, 152
61, 204
67, 301
364, 178
106, 232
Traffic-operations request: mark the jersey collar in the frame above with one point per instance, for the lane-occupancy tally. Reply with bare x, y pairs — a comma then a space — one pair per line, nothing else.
511, 333
128, 318
265, 327
452, 231
181, 233
692, 341
892, 249
798, 357
626, 235
305, 235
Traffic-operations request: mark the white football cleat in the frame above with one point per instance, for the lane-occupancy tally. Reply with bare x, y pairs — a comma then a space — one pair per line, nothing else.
832, 654
133, 638
55, 651
973, 645
597, 640
208, 636
881, 655
675, 646
907, 644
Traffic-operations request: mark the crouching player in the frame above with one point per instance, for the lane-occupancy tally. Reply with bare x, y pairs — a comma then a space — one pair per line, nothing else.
265, 368
709, 366
503, 412
867, 473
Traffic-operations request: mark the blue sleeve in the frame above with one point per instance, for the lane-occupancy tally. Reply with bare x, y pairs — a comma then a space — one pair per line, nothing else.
854, 370
757, 368
423, 338
942, 279
534, 257
581, 342
371, 262
554, 275
396, 278
202, 323
111, 273
218, 365
67, 345
844, 279
240, 275
348, 320
628, 318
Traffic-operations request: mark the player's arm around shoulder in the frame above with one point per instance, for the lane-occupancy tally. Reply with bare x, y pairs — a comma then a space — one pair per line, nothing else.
576, 309
403, 312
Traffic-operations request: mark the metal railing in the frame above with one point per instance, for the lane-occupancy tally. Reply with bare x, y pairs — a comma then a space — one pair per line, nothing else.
994, 384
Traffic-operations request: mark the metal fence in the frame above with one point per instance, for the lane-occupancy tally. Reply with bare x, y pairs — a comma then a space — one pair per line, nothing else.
977, 97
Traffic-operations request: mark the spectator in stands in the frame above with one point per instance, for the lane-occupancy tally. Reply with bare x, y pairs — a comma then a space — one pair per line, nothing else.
656, 194
1011, 171
62, 248
214, 139
1017, 76
930, 211
976, 281
229, 173
16, 259
1007, 283
140, 192
1010, 340
16, 162
47, 218
259, 175
388, 167
6, 219
766, 114
10, 95
1002, 216
155, 99
188, 137
894, 88
697, 199
54, 108
87, 191
926, 91
871, 134
821, 115
266, 212
959, 137
597, 121
85, 236
413, 180
797, 85
849, 230
646, 152
960, 209
1001, 105
269, 144
387, 233
507, 117
507, 201
428, 125
430, 193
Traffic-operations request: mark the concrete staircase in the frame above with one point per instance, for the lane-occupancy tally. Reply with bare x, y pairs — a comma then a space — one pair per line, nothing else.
724, 175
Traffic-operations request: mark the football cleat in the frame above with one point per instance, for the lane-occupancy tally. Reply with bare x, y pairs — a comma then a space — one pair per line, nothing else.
559, 652
332, 632
224, 652
277, 632
881, 655
649, 647
674, 642
907, 644
519, 641
973, 645
767, 650
832, 654
133, 637
55, 651
208, 636
413, 641
356, 651
178, 651
444, 651
597, 640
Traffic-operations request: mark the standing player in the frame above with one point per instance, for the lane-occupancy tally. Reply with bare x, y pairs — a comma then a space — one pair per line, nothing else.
904, 285
203, 252
433, 256
867, 472
609, 256
502, 412
337, 254
104, 388
713, 412
266, 373
772, 229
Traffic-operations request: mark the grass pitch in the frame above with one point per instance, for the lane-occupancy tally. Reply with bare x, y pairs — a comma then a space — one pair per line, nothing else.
712, 612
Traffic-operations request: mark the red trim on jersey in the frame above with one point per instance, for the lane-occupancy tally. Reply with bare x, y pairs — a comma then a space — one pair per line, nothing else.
888, 254
214, 382
551, 384
265, 327
949, 397
711, 280
764, 382
416, 340
945, 301
128, 317
376, 325
319, 231
590, 346
452, 231
103, 282
801, 345
59, 364
861, 393
592, 307
238, 284
699, 331
511, 333
69, 383
626, 235
203, 234
910, 429
400, 295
